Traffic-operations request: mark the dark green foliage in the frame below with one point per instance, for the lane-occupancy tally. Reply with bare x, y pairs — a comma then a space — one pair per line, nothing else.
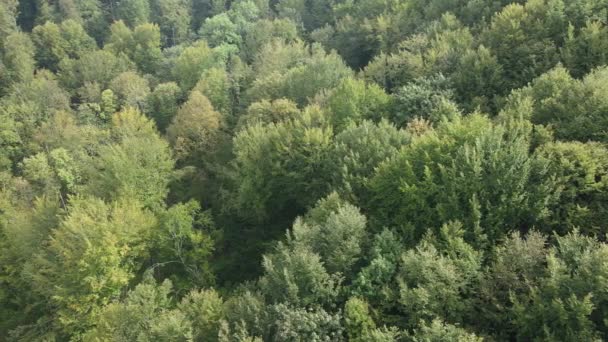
162, 104
421, 99
470, 170
280, 168
358, 150
303, 170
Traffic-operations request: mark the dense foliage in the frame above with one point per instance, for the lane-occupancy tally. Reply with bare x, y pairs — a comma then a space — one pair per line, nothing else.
303, 170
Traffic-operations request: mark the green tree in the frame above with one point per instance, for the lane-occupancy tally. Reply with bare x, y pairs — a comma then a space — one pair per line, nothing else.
137, 165
142, 45
146, 314
356, 153
219, 30
353, 101
437, 278
97, 67
421, 98
556, 102
17, 60
524, 46
358, 322
195, 130
90, 259
517, 267
205, 309
297, 80
173, 18
263, 32
280, 168
56, 42
566, 304
131, 90
478, 80
581, 173
216, 85
162, 103
191, 63
470, 170
335, 230
182, 246
438, 331
585, 48
297, 324
296, 276
266, 112
133, 12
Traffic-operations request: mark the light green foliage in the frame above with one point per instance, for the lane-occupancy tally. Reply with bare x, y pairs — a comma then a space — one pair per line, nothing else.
568, 302
32, 102
585, 48
303, 170
438, 331
421, 99
293, 78
311, 14
8, 22
219, 30
56, 42
191, 63
120, 38
108, 104
52, 174
246, 311
216, 85
131, 90
375, 282
94, 67
478, 79
521, 37
335, 230
266, 112
10, 141
263, 32
183, 246
435, 51
518, 266
90, 258
194, 132
146, 314
23, 227
437, 276
17, 60
137, 165
133, 12
142, 45
556, 102
353, 101
62, 131
204, 309
296, 275
29, 105
315, 325
359, 325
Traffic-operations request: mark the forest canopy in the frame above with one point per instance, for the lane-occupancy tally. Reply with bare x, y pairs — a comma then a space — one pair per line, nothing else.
303, 170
